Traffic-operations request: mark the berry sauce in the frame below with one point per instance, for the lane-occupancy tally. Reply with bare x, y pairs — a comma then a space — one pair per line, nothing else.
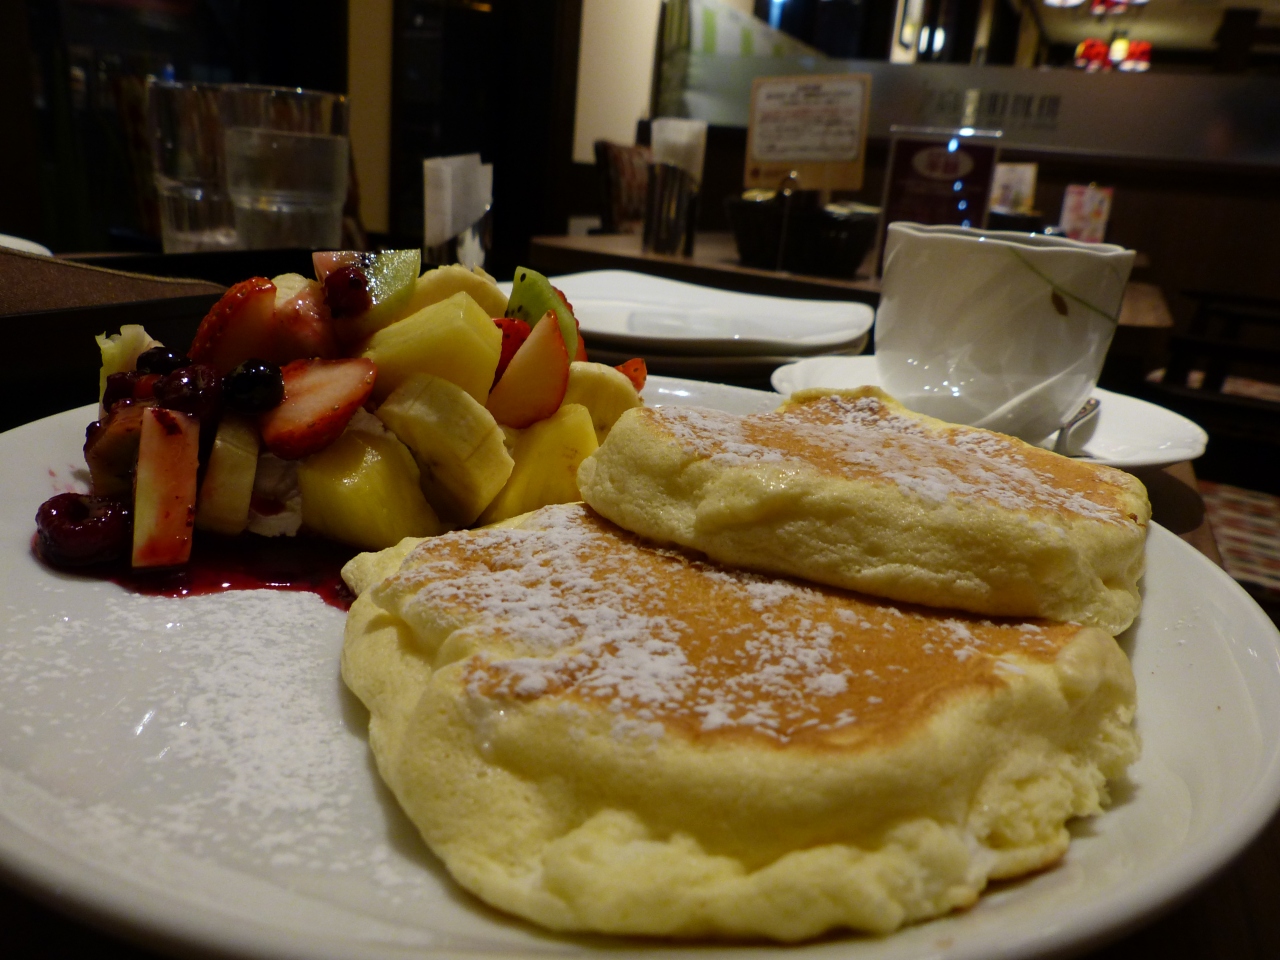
248, 562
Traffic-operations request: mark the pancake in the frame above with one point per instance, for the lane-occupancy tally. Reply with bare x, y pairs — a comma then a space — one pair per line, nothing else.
851, 489
598, 734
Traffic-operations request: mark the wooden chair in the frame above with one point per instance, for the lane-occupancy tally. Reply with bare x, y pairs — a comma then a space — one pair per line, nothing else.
1224, 373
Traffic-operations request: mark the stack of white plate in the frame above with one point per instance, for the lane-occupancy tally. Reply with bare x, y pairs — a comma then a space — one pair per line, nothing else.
682, 329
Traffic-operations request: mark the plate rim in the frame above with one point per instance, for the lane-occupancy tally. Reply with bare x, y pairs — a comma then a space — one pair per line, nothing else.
167, 923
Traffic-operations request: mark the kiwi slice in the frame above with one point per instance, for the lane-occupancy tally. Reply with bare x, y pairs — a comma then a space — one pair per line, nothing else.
532, 296
391, 275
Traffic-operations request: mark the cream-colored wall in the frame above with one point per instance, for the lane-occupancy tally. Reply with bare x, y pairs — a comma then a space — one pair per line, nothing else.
615, 70
369, 90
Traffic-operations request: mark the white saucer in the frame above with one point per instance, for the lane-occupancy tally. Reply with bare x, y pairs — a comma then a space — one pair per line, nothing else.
626, 311
1128, 432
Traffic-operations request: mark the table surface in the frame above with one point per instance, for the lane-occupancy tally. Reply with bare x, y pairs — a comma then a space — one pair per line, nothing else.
715, 263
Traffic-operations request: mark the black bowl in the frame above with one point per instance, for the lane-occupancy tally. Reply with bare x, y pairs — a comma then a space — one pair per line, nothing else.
815, 240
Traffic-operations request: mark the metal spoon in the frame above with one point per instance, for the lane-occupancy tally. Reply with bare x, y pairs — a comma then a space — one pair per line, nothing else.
1087, 412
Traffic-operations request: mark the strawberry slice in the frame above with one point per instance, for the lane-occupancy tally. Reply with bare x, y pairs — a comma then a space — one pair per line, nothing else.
240, 326
514, 333
635, 371
320, 398
535, 380
302, 323
582, 350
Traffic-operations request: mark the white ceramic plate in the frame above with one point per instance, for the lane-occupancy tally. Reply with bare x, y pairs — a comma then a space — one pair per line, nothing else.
192, 771
640, 313
1127, 432
25, 246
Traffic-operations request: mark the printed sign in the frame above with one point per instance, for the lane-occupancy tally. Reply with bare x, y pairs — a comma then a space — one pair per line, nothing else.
939, 179
1085, 212
815, 126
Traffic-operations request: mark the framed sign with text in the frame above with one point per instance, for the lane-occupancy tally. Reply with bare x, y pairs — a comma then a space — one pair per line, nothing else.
939, 177
814, 126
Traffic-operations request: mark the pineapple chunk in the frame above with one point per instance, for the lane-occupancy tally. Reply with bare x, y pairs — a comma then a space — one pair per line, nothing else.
223, 506
454, 339
363, 489
120, 351
547, 455
605, 391
456, 442
443, 282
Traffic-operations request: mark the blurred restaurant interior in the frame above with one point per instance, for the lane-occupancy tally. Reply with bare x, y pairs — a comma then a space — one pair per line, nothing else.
1153, 125
1170, 107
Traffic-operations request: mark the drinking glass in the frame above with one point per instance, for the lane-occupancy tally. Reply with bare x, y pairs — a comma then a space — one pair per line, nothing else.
185, 130
286, 154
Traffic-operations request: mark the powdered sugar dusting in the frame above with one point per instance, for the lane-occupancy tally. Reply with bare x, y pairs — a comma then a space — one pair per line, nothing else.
211, 727
864, 437
578, 609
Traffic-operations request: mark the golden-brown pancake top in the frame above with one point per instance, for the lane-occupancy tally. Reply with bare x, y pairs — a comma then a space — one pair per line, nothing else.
656, 636
865, 435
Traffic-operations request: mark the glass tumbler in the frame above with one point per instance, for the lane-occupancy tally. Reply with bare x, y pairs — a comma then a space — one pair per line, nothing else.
185, 129
286, 154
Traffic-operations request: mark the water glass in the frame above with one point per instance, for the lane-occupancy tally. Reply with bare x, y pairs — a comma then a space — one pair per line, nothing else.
185, 130
286, 154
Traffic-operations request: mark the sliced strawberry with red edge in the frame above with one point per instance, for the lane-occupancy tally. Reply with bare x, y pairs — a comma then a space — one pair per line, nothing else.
240, 326
635, 371
535, 381
514, 332
320, 398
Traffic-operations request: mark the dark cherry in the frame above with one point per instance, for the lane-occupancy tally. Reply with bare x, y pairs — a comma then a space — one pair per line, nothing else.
255, 386
346, 291
119, 387
161, 360
77, 530
195, 389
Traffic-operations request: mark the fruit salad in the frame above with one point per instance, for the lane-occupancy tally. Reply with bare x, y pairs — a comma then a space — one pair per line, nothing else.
366, 405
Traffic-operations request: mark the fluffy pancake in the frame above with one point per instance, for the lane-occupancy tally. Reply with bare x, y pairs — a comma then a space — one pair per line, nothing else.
598, 734
851, 489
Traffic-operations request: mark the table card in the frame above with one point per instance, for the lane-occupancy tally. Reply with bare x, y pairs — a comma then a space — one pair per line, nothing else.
1085, 212
938, 176
814, 126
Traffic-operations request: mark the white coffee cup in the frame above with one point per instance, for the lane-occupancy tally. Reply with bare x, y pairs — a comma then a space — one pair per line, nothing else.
994, 328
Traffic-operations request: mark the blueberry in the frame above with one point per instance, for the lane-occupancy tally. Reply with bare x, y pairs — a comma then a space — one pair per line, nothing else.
119, 387
255, 386
194, 389
161, 360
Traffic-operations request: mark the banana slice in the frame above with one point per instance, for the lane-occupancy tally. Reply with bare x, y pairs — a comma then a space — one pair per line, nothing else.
606, 393
456, 442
